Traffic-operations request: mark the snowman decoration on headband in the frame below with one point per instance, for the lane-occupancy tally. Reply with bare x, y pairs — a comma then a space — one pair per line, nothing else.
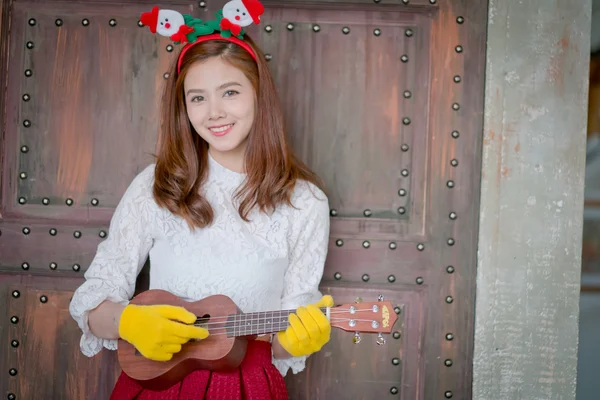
235, 15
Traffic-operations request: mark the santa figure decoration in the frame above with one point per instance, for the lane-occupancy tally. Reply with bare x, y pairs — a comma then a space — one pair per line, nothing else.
240, 13
167, 23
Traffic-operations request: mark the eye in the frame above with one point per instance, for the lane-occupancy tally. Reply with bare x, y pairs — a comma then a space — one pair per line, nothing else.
244, 14
167, 19
238, 10
196, 99
162, 23
230, 93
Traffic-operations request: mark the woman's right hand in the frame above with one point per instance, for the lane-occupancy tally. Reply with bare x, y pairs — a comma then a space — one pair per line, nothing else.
155, 331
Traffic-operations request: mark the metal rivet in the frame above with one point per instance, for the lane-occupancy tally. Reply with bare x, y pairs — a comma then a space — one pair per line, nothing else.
202, 4
170, 48
11, 396
339, 243
14, 319
346, 30
290, 27
69, 202
401, 210
85, 22
43, 299
420, 247
397, 310
26, 231
404, 58
377, 1
377, 32
140, 24
28, 72
419, 280
365, 278
27, 123
22, 200
450, 269
367, 213
448, 362
25, 266
366, 244
76, 267
12, 371
404, 173
269, 28
77, 234
457, 79
432, 1
449, 336
407, 94
395, 361
455, 134
268, 57
459, 49
448, 394
406, 121
394, 390
404, 147
449, 299
450, 242
16, 294
24, 149
58, 22
402, 192
460, 20
30, 45
393, 246
52, 231
454, 162
396, 335
450, 184
95, 202
112, 22
408, 32
391, 279
452, 215
405, 1
26, 97
337, 276
14, 343
102, 234
45, 201
32, 21
23, 175
166, 75
316, 28
333, 212
456, 106
53, 266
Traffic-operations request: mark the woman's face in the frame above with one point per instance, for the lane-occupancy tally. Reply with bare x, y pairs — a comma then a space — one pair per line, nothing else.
220, 104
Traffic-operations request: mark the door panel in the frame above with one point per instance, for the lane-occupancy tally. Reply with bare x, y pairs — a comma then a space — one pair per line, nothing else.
382, 98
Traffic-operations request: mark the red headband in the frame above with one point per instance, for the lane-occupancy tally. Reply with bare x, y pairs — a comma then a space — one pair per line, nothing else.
214, 36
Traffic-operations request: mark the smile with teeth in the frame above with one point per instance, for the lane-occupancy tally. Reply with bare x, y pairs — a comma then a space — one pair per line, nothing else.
221, 129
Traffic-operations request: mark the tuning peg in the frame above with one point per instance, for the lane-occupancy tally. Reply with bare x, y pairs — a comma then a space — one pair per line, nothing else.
359, 300
356, 339
380, 297
380, 339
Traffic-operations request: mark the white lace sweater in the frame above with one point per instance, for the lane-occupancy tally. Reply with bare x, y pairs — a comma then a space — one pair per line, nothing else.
272, 262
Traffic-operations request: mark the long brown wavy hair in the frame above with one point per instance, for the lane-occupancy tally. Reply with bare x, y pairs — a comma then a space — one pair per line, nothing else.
271, 167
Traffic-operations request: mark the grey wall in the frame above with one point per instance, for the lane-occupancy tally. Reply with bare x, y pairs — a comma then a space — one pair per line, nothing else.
532, 200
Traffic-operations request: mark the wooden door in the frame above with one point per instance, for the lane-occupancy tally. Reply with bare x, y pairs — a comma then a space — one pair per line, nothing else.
383, 98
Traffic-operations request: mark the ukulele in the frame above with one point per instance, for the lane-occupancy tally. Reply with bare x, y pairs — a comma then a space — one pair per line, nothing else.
229, 331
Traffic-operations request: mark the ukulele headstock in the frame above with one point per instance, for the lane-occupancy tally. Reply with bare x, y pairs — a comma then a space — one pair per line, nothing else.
365, 317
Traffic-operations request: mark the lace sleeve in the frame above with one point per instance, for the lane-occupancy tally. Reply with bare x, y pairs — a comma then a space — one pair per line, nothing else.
118, 261
308, 241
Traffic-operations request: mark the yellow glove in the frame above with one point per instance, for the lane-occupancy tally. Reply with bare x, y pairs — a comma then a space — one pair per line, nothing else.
153, 331
309, 329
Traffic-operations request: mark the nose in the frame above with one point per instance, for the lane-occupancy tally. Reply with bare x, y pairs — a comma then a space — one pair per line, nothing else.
215, 110
167, 25
237, 17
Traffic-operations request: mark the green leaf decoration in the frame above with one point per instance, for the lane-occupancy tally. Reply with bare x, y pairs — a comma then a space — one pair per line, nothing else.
226, 34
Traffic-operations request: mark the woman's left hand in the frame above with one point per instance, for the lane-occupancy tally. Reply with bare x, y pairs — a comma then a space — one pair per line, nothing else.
309, 329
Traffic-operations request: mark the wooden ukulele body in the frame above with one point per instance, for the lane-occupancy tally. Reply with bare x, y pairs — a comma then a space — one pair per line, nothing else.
216, 353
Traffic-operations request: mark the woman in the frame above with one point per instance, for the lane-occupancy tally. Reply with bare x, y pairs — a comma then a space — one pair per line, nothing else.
226, 209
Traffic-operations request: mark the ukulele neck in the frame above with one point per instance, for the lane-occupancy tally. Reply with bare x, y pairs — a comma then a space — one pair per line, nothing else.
258, 323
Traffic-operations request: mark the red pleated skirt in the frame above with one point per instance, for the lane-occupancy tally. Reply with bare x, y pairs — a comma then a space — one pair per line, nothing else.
255, 379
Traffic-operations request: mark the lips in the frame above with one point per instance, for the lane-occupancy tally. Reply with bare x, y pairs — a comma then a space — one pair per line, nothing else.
221, 130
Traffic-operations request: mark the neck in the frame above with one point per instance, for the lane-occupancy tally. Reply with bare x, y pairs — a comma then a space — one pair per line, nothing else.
232, 160
258, 323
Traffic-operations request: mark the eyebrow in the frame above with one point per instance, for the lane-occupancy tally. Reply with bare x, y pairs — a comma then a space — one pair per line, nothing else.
223, 86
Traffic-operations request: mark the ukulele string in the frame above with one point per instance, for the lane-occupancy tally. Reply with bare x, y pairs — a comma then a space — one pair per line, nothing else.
244, 317
264, 324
